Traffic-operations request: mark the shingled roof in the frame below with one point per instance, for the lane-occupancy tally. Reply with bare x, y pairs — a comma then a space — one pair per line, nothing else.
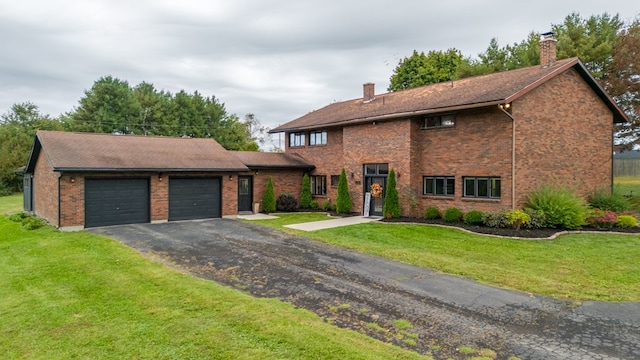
472, 92
272, 160
68, 151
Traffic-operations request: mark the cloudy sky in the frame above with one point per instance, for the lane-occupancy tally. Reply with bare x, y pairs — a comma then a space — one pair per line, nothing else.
276, 59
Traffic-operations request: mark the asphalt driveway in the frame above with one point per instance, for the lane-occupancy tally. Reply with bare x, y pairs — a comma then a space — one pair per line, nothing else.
354, 290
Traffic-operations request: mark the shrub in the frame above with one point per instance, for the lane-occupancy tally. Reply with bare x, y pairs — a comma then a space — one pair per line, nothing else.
5, 190
452, 215
537, 219
18, 217
604, 200
432, 213
326, 205
517, 218
495, 219
32, 223
314, 205
343, 202
602, 219
286, 202
626, 221
305, 193
473, 217
391, 207
269, 198
561, 207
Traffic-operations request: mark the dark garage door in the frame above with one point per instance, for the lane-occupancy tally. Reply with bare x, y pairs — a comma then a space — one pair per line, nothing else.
116, 201
194, 198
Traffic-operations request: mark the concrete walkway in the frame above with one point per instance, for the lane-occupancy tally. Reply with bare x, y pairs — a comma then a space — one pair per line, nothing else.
327, 224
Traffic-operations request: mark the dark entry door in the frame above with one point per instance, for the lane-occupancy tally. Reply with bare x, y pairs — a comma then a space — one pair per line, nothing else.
116, 201
376, 202
245, 193
28, 192
194, 198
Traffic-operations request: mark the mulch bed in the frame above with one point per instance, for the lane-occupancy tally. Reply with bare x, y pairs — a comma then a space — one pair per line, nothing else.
509, 232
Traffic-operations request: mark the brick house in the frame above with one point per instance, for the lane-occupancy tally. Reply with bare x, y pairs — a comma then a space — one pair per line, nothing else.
77, 180
476, 143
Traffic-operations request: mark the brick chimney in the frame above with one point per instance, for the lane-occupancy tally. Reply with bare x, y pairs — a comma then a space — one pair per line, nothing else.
548, 49
369, 90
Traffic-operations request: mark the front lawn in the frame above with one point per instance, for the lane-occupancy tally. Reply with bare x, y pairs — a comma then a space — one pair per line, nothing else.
10, 204
78, 295
579, 267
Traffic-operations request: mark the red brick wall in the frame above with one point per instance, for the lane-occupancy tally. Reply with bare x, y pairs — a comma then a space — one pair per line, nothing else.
284, 181
564, 135
72, 193
45, 190
478, 145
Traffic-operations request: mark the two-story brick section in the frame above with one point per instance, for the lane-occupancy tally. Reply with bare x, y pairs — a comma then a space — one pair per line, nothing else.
480, 143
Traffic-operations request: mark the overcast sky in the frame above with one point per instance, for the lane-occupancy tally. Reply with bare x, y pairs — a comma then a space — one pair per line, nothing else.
276, 59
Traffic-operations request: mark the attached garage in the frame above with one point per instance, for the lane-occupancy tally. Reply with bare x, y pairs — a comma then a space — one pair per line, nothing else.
116, 201
194, 198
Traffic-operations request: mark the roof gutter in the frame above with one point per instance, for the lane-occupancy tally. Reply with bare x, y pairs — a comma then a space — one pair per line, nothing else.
72, 169
392, 116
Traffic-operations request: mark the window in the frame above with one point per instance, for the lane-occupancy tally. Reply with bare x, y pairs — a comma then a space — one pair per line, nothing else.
439, 185
335, 179
317, 138
318, 185
482, 187
296, 139
439, 121
376, 169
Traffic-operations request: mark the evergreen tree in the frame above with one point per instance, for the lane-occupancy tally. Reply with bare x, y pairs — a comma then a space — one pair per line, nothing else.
269, 198
305, 193
391, 207
343, 202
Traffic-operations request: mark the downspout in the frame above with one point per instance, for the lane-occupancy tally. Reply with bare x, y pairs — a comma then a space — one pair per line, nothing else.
503, 108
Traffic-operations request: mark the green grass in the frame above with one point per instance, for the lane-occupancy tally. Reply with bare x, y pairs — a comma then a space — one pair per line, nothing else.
630, 187
576, 267
11, 204
78, 295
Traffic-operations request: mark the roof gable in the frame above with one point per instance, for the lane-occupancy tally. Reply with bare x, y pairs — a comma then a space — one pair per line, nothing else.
67, 151
472, 92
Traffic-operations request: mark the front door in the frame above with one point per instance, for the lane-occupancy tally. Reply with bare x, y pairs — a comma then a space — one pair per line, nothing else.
375, 174
245, 193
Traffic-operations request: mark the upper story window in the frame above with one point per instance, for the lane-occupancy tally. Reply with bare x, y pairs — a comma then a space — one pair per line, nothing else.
296, 139
317, 138
439, 121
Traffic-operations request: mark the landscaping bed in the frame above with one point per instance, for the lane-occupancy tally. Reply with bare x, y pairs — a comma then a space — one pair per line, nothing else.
543, 233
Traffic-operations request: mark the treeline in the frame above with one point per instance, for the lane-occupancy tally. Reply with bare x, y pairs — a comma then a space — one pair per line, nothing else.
112, 106
606, 45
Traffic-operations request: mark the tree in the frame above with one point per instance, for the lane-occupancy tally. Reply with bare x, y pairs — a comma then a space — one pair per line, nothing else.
17, 130
108, 107
622, 81
269, 197
421, 69
391, 207
592, 40
343, 202
305, 193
